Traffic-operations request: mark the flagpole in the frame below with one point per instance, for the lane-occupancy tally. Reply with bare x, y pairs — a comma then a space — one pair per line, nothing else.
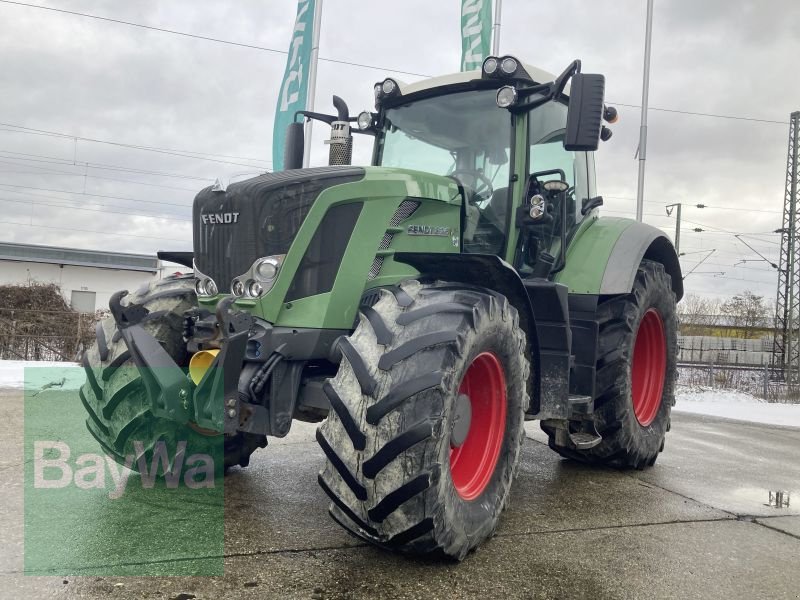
643, 127
312, 80
498, 7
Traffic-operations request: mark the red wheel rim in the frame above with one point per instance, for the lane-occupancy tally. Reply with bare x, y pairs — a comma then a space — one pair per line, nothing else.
649, 367
473, 462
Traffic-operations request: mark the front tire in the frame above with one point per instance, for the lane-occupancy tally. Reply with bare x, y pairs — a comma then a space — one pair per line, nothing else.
119, 415
636, 372
404, 470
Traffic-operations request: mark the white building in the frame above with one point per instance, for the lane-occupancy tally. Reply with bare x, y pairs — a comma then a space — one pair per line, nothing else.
87, 278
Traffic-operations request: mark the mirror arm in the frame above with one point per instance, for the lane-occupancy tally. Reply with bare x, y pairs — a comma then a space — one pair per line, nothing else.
329, 119
526, 106
561, 81
591, 203
550, 91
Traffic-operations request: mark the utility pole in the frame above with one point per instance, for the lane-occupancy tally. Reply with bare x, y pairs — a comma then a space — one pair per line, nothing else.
786, 346
312, 80
498, 8
669, 208
645, 100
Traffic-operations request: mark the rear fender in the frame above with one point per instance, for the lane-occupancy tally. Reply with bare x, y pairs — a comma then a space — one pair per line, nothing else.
605, 255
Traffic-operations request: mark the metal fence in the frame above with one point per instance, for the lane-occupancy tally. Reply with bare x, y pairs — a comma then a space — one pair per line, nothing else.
761, 382
27, 334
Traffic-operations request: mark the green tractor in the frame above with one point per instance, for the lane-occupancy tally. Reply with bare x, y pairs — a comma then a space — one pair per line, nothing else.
422, 308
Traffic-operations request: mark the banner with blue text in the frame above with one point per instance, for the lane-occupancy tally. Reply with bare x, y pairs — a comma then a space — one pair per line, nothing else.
293, 92
476, 32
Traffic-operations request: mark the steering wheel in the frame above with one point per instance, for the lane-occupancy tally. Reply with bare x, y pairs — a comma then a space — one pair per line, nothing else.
483, 192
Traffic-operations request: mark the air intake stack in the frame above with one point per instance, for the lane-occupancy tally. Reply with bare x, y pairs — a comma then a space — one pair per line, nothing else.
341, 142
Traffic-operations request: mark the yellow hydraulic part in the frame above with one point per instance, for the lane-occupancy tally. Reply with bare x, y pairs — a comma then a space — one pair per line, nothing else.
199, 364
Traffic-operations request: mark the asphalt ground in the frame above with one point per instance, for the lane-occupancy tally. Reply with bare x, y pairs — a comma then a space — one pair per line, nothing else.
697, 525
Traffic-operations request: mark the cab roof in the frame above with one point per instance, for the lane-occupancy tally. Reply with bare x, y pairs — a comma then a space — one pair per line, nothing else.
538, 75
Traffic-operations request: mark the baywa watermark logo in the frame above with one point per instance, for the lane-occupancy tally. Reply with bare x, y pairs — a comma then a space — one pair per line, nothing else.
56, 466
104, 498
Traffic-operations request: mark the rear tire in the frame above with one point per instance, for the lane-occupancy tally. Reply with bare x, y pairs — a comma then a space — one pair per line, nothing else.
419, 362
114, 397
636, 371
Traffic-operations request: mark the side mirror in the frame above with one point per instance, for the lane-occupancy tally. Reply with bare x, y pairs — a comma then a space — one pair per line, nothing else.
293, 149
585, 115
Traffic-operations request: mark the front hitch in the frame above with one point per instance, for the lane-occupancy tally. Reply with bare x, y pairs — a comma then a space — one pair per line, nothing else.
216, 398
214, 403
167, 387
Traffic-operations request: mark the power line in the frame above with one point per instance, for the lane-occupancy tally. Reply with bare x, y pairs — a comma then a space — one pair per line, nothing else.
741, 279
737, 255
687, 205
47, 171
114, 233
92, 195
696, 114
100, 166
181, 153
203, 37
67, 136
720, 230
104, 210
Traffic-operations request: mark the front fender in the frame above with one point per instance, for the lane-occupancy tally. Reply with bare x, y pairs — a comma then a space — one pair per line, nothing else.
486, 271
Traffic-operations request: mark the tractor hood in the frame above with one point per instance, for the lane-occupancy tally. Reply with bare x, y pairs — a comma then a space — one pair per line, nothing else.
255, 218
332, 231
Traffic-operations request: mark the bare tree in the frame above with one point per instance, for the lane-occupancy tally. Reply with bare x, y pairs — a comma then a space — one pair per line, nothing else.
698, 315
747, 313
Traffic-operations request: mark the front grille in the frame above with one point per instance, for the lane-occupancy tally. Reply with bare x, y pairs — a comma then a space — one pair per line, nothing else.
403, 212
260, 217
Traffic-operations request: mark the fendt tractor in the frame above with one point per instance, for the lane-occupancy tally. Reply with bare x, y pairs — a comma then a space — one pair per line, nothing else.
421, 308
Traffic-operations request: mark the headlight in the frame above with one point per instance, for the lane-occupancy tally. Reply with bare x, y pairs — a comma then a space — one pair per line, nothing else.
509, 65
254, 289
364, 120
259, 278
506, 96
389, 86
267, 268
205, 286
538, 207
556, 185
490, 65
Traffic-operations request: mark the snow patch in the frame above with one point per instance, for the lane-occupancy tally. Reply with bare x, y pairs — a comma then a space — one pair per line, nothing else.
41, 375
732, 404
707, 394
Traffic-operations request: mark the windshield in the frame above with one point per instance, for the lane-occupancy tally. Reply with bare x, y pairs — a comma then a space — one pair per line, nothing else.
463, 135
444, 134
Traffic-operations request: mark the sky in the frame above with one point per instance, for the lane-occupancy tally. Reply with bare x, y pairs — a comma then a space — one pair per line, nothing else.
108, 130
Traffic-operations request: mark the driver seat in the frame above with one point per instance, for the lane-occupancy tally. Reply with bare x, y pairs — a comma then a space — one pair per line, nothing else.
497, 209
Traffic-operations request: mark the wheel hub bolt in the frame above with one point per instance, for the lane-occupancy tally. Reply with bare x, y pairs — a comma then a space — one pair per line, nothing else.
231, 412
231, 402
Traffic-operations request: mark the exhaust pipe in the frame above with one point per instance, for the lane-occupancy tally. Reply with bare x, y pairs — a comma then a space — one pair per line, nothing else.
341, 142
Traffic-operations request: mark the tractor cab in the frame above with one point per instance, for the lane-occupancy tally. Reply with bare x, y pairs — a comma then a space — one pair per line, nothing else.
519, 149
